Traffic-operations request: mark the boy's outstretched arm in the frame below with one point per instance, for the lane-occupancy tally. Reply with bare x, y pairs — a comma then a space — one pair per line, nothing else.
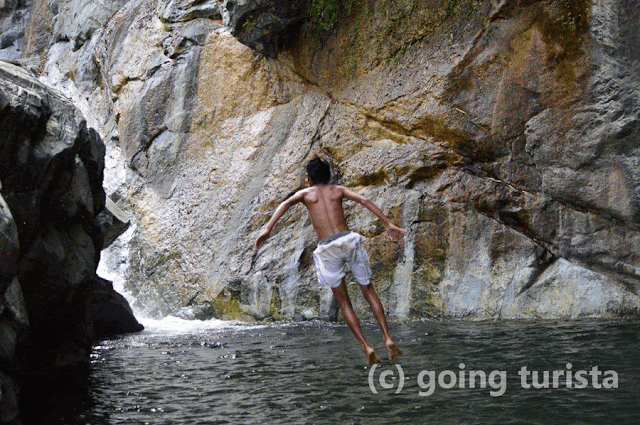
279, 212
393, 231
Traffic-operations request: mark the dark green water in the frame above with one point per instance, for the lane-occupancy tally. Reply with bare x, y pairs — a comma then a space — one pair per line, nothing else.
314, 373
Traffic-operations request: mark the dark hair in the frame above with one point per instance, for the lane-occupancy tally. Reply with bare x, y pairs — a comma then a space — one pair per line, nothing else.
318, 171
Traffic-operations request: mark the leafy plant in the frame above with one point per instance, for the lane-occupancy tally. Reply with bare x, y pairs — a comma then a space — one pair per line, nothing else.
250, 23
324, 13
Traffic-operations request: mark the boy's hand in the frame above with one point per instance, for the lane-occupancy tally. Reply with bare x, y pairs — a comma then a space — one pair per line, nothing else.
262, 237
395, 233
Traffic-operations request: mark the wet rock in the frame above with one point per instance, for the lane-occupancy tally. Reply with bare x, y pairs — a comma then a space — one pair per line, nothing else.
113, 222
9, 244
110, 311
51, 168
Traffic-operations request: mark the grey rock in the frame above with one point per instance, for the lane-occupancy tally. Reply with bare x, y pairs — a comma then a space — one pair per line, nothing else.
256, 297
9, 245
15, 306
76, 20
9, 409
153, 129
187, 10
13, 327
112, 222
14, 16
566, 290
9, 338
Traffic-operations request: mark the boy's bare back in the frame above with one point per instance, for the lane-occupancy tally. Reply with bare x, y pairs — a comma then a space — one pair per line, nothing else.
324, 203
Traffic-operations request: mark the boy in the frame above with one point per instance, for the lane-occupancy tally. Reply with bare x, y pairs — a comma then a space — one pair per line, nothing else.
338, 246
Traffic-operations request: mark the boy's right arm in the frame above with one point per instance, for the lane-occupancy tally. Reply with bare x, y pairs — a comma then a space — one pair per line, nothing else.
279, 212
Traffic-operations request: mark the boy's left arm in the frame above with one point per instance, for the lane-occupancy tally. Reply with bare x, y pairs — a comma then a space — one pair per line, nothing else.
393, 231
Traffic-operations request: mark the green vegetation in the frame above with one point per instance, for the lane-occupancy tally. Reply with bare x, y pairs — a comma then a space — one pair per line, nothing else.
379, 31
324, 13
250, 22
226, 308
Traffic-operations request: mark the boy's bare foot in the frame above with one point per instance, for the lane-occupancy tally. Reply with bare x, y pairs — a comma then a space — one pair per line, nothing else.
372, 358
394, 351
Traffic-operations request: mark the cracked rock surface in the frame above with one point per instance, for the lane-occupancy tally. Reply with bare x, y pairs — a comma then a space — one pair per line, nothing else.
503, 135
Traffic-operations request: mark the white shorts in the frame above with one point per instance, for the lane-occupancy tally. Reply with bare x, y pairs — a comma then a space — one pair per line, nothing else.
334, 252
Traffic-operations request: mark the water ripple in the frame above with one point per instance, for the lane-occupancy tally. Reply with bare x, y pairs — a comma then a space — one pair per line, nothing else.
314, 373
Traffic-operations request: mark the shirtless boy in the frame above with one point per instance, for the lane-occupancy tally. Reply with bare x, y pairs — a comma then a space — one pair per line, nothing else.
339, 246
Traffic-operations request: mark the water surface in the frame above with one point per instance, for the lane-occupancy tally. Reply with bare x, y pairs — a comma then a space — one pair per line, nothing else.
314, 373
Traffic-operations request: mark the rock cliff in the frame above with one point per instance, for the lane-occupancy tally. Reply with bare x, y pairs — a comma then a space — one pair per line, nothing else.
53, 225
502, 134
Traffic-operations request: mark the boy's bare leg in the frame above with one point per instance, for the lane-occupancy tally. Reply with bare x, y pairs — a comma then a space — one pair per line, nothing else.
342, 297
378, 312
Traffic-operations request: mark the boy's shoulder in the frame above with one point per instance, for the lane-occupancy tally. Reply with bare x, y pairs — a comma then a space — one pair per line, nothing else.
334, 188
312, 192
316, 187
304, 191
302, 194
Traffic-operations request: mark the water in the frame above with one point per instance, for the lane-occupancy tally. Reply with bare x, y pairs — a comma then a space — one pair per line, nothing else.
314, 373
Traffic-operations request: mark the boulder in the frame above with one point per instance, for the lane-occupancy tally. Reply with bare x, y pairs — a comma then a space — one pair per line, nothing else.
112, 222
110, 311
51, 174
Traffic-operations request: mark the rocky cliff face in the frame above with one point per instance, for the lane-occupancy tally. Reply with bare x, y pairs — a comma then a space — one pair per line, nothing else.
502, 134
51, 173
53, 225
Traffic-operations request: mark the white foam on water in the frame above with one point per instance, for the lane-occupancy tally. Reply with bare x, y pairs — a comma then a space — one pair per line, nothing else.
175, 325
113, 265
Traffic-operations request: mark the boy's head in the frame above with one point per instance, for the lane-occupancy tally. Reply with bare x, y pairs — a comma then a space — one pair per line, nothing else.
318, 171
